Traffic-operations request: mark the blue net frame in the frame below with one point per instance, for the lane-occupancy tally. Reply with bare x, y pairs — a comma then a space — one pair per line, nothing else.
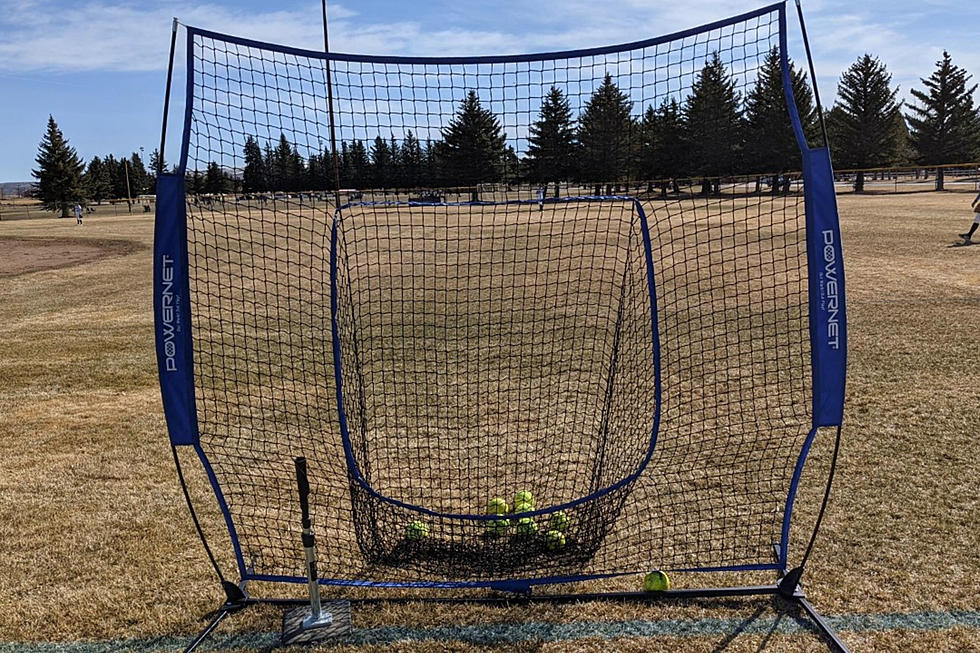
246, 304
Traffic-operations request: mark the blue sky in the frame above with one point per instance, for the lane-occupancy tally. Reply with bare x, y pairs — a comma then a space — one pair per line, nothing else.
99, 67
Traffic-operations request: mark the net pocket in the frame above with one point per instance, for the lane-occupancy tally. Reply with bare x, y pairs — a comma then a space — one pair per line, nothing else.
483, 349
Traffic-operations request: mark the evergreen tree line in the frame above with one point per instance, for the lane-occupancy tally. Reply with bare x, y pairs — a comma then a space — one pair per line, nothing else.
104, 178
712, 132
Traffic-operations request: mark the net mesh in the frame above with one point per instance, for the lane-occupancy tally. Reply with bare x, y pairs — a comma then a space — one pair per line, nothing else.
501, 344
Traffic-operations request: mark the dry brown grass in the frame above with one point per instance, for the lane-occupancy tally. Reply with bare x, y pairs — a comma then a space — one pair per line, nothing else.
90, 509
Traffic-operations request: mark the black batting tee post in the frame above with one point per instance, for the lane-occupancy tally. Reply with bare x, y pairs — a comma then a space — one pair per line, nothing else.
309, 546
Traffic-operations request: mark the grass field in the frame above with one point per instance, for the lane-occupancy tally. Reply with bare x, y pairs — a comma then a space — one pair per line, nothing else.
97, 545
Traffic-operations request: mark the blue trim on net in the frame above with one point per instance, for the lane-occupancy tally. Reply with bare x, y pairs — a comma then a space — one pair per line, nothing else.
828, 367
352, 465
232, 533
172, 312
542, 56
794, 113
188, 103
506, 585
791, 496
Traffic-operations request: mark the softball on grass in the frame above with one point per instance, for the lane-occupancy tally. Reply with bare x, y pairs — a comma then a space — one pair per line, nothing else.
498, 526
526, 526
498, 506
559, 521
524, 497
417, 530
554, 540
656, 581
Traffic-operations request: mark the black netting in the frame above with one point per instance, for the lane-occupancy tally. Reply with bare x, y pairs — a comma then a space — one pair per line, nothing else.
489, 349
493, 309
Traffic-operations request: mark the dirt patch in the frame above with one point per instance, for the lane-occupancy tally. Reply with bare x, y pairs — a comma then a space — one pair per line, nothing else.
24, 255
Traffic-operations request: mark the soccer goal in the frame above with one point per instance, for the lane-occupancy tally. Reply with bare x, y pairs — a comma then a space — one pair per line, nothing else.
527, 320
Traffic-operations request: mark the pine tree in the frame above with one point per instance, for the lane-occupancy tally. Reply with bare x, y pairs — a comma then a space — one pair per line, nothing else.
662, 147
713, 124
410, 160
117, 177
358, 165
97, 181
473, 146
254, 175
431, 164
216, 181
284, 167
319, 172
382, 160
863, 125
944, 124
605, 134
157, 166
139, 179
770, 144
59, 172
551, 143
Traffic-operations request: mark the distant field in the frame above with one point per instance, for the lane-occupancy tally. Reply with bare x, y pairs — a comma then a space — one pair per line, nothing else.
97, 543
24, 208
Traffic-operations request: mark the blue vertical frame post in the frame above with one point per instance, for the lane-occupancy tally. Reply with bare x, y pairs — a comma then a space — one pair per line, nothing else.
825, 289
171, 310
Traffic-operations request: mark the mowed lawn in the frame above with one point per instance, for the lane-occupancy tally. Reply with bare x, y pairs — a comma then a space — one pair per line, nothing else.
96, 542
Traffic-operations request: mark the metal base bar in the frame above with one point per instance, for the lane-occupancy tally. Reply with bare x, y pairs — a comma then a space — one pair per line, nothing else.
236, 599
796, 598
825, 629
218, 618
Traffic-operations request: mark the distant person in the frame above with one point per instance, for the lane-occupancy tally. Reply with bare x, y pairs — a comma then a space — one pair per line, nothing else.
78, 213
968, 236
540, 198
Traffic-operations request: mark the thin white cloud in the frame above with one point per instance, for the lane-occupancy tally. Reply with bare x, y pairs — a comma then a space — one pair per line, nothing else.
42, 35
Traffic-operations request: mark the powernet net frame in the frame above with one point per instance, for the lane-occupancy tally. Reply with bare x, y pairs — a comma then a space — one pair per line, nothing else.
389, 268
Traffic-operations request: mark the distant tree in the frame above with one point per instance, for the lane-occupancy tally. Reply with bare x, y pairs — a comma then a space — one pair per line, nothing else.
254, 175
59, 172
195, 182
358, 165
284, 166
396, 177
320, 174
770, 144
97, 181
410, 160
944, 124
382, 164
605, 131
156, 164
216, 181
662, 146
713, 124
115, 168
139, 178
432, 175
551, 143
864, 123
510, 169
473, 146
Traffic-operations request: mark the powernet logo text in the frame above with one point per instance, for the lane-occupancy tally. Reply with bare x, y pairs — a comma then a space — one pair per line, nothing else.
831, 289
169, 308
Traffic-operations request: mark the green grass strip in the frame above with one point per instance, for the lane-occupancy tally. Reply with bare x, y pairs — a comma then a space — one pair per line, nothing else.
496, 634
